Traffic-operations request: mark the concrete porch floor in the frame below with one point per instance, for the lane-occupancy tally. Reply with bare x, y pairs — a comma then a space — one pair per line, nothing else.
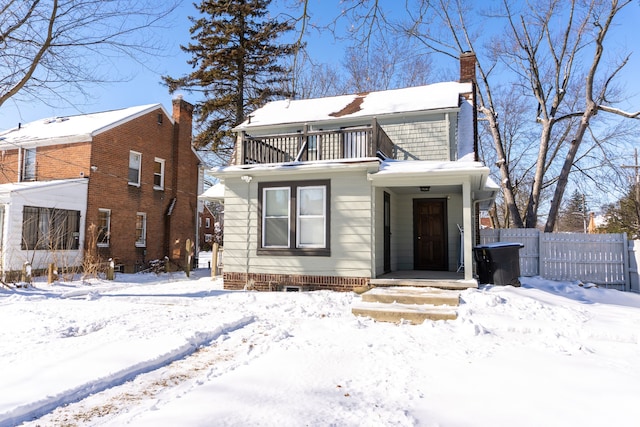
420, 278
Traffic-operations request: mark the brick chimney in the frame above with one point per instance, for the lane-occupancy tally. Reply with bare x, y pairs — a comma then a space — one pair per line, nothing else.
182, 112
467, 67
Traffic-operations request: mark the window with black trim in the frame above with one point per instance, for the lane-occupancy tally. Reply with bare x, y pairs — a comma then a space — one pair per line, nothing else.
294, 218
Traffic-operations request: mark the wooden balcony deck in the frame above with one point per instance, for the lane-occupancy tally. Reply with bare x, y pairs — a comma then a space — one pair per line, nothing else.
312, 145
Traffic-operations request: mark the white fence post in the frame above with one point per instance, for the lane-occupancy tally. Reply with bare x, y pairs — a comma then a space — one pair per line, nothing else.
634, 264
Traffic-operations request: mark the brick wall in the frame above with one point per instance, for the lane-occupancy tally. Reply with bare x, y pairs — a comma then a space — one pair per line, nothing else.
109, 189
62, 161
277, 282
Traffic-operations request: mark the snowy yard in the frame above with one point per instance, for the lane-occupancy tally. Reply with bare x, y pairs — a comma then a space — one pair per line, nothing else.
147, 350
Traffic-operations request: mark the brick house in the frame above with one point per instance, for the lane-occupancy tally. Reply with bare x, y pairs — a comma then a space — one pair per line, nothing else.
206, 228
124, 182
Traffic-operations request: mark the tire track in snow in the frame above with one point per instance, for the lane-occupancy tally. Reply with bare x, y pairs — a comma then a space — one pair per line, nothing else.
121, 403
68, 400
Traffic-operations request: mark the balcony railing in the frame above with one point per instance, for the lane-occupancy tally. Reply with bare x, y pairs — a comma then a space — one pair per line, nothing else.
305, 146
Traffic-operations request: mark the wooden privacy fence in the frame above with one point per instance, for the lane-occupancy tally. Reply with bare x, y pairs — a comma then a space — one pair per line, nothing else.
602, 259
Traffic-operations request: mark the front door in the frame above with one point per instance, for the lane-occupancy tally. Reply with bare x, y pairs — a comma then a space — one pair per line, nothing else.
430, 234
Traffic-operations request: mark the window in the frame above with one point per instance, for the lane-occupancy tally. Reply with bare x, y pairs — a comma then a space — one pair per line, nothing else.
104, 227
29, 164
141, 229
207, 223
158, 174
135, 160
50, 228
208, 238
311, 217
294, 218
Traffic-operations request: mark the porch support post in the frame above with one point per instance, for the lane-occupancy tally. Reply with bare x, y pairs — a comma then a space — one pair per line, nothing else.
468, 230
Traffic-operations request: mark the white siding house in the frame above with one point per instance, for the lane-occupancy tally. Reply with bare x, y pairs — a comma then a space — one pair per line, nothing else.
47, 208
338, 192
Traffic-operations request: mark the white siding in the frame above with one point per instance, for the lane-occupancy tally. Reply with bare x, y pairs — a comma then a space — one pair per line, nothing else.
351, 245
71, 196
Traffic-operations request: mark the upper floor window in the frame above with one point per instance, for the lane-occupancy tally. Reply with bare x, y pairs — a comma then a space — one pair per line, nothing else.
104, 227
158, 174
207, 223
135, 163
50, 228
29, 164
294, 218
141, 229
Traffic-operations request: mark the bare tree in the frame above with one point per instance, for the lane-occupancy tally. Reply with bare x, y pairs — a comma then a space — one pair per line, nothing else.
51, 49
386, 65
549, 56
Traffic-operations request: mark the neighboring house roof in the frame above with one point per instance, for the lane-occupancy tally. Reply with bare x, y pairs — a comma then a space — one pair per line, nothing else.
213, 193
435, 96
6, 190
70, 129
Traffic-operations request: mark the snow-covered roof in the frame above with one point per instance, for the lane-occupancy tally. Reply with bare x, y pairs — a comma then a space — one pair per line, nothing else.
7, 191
413, 99
215, 192
69, 129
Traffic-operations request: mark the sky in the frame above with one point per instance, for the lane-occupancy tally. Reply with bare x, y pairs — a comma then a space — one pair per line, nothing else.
145, 85
167, 350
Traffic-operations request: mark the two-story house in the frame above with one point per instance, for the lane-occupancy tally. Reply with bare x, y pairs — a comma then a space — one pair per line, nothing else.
340, 192
122, 183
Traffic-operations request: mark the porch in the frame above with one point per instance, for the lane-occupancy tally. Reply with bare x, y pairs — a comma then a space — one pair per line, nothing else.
424, 278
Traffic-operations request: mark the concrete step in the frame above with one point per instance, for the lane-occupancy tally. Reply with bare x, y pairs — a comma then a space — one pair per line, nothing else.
429, 283
414, 313
412, 295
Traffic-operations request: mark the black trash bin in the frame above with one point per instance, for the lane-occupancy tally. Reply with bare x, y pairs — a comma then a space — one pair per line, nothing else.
498, 263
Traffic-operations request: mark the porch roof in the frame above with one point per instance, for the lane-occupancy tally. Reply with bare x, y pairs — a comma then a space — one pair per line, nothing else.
213, 193
397, 173
7, 190
294, 167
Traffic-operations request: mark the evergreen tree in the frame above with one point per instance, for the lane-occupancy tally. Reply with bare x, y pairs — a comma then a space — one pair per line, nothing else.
623, 216
237, 67
574, 215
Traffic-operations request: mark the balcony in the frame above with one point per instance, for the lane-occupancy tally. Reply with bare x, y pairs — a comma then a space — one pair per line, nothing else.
308, 146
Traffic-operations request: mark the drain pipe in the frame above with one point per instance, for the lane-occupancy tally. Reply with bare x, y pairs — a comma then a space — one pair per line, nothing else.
247, 179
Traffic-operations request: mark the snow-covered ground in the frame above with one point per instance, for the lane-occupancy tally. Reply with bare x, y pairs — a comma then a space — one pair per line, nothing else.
167, 350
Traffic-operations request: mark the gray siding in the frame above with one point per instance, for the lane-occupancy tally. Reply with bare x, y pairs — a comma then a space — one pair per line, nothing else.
427, 140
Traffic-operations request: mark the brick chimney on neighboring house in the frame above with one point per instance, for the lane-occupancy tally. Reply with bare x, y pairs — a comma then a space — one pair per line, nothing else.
184, 169
467, 67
